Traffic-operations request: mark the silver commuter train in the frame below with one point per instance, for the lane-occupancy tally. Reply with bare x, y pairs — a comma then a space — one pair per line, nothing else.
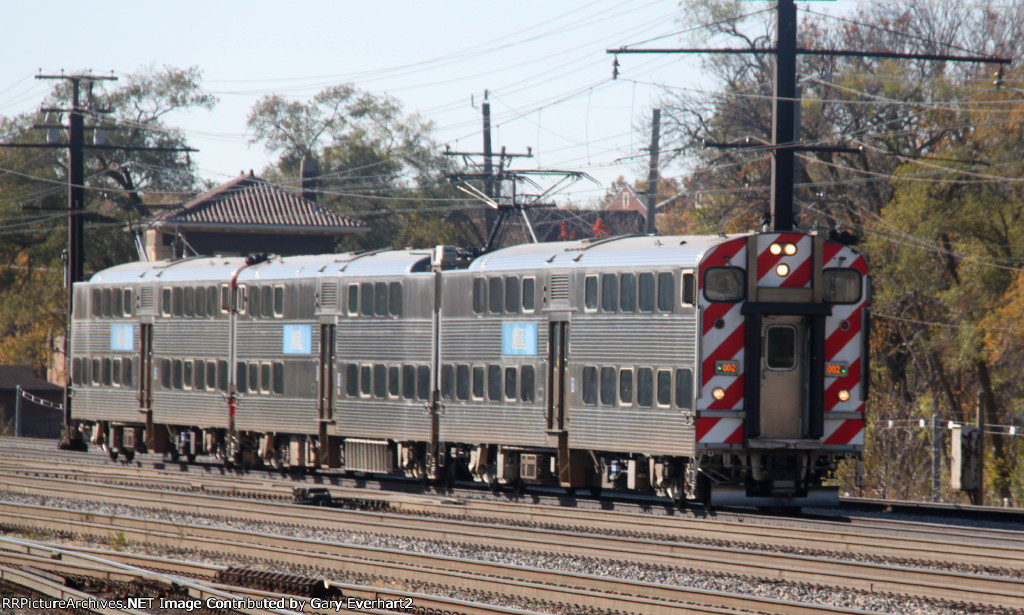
727, 369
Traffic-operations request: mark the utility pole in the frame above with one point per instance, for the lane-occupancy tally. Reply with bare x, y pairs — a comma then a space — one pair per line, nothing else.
652, 174
982, 424
936, 450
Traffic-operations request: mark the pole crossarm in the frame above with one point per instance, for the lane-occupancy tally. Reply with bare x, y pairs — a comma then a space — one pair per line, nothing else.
820, 52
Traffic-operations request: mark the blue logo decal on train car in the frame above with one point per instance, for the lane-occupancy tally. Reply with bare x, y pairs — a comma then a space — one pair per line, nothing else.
519, 338
298, 339
122, 337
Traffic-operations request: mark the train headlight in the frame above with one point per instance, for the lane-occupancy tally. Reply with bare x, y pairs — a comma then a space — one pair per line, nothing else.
718, 393
775, 249
844, 395
782, 270
789, 249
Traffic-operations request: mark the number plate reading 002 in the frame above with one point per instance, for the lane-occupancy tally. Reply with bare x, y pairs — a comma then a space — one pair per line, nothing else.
727, 368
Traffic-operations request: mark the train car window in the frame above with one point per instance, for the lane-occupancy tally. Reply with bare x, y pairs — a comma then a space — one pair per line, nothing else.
225, 298
607, 386
423, 382
353, 299
188, 369
684, 389
666, 292
211, 375
190, 301
76, 370
589, 385
841, 285
395, 299
241, 295
478, 382
366, 302
511, 383
200, 301
627, 292
394, 381
664, 388
115, 372
253, 295
511, 295
479, 295
165, 373
97, 300
724, 283
494, 292
278, 301
645, 387
199, 378
527, 383
106, 303
97, 372
448, 381
380, 380
129, 302
352, 380
494, 382
780, 347
126, 371
176, 301
254, 377
365, 380
241, 377
409, 381
462, 382
689, 289
278, 384
626, 387
267, 302
177, 374
645, 294
106, 371
222, 376
529, 296
266, 377
118, 308
211, 300
609, 293
590, 293
380, 299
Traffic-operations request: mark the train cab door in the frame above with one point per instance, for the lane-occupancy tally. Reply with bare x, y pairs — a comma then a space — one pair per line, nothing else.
784, 376
557, 354
325, 401
145, 367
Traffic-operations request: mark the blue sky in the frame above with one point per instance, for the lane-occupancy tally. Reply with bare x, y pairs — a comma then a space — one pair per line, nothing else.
544, 63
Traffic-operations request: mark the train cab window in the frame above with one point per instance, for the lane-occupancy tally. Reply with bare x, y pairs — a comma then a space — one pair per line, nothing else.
607, 386
609, 293
353, 299
511, 383
366, 299
645, 387
511, 295
590, 293
724, 283
380, 299
684, 389
626, 387
395, 299
780, 347
448, 381
494, 382
165, 302
689, 289
589, 385
527, 383
278, 378
278, 301
380, 380
365, 380
664, 388
409, 381
394, 382
423, 382
352, 380
267, 301
495, 287
176, 301
645, 292
841, 285
462, 382
479, 295
666, 292
627, 293
478, 382
529, 296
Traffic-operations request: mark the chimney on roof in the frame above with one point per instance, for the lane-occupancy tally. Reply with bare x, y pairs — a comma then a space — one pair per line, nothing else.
310, 170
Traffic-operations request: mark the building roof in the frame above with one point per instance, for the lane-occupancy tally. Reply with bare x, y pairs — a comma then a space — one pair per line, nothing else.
627, 199
13, 376
250, 203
